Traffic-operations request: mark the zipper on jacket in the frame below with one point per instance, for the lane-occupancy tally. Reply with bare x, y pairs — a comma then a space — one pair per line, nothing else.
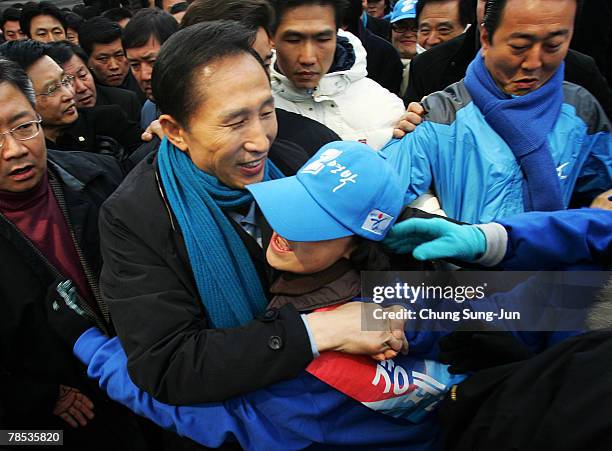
91, 278
90, 314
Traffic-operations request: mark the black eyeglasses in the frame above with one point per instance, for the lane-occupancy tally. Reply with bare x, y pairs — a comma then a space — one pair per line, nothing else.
22, 132
403, 28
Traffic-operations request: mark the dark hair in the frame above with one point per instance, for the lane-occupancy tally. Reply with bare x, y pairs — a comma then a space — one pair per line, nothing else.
25, 52
467, 10
146, 23
11, 73
32, 9
251, 14
493, 14
117, 14
74, 21
9, 14
178, 7
369, 256
175, 90
98, 30
352, 16
62, 51
281, 6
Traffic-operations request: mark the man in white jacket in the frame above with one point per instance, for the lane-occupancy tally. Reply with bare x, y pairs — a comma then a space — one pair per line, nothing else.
320, 73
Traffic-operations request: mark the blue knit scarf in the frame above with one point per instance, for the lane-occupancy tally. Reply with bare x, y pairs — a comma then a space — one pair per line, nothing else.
524, 123
225, 275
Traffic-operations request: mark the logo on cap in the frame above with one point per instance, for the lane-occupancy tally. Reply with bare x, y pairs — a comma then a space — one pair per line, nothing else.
408, 5
377, 222
328, 158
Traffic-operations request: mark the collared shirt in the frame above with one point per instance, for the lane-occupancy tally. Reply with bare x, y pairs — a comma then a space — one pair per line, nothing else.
248, 223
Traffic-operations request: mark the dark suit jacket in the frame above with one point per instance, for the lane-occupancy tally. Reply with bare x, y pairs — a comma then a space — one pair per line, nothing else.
127, 100
447, 63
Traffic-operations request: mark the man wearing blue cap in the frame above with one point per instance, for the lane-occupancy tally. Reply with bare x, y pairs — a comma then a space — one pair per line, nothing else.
344, 199
404, 35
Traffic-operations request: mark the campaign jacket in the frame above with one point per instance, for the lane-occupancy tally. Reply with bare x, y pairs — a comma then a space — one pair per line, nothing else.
352, 105
474, 172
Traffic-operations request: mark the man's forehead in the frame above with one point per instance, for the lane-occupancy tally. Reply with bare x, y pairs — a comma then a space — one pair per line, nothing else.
44, 21
114, 46
309, 16
440, 10
14, 105
149, 50
538, 18
44, 70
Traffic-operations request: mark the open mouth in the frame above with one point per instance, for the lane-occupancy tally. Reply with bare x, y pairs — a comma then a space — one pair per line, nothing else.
279, 244
252, 168
22, 173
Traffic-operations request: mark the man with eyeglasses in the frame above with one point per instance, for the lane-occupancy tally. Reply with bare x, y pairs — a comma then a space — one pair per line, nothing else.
73, 60
49, 204
104, 129
404, 35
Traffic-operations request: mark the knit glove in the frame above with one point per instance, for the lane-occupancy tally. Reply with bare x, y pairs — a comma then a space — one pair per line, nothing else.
432, 239
64, 314
473, 350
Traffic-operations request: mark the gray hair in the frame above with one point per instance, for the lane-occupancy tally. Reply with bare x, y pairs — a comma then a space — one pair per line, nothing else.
11, 72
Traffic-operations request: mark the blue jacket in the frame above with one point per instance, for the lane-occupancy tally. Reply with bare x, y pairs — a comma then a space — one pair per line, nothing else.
474, 172
558, 240
295, 414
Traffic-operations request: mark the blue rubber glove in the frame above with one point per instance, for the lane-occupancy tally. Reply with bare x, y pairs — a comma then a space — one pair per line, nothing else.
432, 239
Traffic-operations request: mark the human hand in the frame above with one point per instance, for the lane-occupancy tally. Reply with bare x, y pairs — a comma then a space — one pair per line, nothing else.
431, 239
603, 201
409, 121
342, 329
73, 407
154, 129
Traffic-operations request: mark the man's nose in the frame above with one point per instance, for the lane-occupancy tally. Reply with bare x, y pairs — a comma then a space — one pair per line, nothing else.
146, 72
432, 40
12, 149
258, 140
533, 59
113, 64
307, 54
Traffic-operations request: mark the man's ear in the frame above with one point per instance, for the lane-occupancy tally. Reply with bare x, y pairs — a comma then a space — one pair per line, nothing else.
484, 39
173, 131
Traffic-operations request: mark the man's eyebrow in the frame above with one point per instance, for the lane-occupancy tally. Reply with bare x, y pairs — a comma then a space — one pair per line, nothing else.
531, 37
148, 56
268, 102
228, 116
448, 24
15, 117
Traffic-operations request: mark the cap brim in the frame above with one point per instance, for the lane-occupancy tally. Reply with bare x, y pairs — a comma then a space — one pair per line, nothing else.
402, 17
293, 213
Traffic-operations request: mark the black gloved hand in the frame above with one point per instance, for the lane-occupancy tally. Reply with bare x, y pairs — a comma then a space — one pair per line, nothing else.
64, 313
473, 350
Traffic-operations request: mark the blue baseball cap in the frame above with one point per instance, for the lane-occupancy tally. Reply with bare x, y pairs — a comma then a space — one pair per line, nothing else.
404, 9
345, 189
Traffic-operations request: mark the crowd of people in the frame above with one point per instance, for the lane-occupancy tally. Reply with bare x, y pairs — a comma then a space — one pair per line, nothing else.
191, 191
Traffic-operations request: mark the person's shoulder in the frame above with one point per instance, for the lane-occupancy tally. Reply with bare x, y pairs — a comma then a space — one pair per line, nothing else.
442, 106
87, 164
439, 55
586, 107
138, 191
113, 93
85, 169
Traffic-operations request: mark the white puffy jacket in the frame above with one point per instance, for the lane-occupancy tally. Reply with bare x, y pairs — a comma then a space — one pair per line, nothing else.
355, 107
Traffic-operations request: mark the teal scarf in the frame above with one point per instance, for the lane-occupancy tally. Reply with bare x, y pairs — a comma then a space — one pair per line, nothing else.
225, 275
